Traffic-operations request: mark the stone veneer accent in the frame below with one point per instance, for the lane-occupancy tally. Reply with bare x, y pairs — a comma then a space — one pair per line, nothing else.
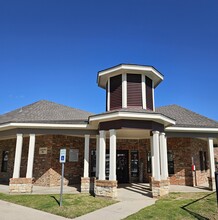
106, 188
212, 183
21, 185
159, 188
85, 185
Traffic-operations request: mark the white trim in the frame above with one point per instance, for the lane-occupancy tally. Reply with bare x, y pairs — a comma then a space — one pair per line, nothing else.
112, 163
44, 125
108, 94
153, 96
124, 90
133, 69
131, 115
18, 153
29, 172
143, 92
211, 157
181, 129
86, 157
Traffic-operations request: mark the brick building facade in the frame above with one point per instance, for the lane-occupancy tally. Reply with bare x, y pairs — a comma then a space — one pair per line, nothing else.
131, 142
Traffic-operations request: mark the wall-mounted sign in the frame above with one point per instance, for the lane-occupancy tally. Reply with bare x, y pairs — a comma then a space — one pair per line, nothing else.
74, 155
43, 150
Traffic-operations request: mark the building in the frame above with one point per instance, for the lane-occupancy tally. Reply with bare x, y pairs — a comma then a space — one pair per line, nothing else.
133, 141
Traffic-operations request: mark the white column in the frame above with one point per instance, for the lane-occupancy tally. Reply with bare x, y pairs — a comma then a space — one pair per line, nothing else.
108, 95
211, 157
124, 90
29, 172
113, 142
86, 156
18, 152
152, 156
156, 163
153, 95
102, 151
163, 157
143, 93
97, 156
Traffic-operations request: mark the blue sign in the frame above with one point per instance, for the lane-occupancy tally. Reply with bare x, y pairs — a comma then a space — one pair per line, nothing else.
62, 155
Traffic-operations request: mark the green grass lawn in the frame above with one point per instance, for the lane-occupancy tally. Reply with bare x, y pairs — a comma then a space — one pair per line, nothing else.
182, 206
73, 205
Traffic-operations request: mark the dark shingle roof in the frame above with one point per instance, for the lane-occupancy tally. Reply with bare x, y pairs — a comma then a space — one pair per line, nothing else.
186, 118
45, 112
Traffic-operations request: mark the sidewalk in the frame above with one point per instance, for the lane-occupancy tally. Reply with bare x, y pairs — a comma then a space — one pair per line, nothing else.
132, 198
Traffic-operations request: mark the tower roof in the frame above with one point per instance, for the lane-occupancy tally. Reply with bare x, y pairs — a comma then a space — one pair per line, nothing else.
149, 71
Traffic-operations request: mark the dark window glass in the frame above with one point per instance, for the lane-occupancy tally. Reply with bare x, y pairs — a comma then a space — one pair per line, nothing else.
134, 164
203, 160
170, 162
149, 167
4, 161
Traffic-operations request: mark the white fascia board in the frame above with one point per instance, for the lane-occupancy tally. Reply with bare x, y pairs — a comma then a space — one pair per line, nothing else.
44, 125
124, 68
128, 115
184, 129
131, 67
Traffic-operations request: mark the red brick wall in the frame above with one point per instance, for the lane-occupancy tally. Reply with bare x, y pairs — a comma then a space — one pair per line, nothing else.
183, 150
7, 145
47, 169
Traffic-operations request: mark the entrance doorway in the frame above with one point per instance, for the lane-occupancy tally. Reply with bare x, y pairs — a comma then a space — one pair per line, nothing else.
122, 166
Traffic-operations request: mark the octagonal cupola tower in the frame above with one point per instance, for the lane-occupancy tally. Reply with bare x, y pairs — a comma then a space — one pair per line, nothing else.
129, 86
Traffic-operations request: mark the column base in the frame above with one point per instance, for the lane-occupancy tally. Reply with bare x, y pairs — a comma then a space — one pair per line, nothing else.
212, 183
106, 188
159, 188
21, 185
87, 185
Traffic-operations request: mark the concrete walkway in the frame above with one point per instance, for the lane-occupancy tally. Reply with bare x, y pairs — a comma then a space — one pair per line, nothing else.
132, 198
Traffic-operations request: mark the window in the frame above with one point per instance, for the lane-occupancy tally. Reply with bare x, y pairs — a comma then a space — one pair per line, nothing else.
203, 160
134, 164
4, 161
149, 167
170, 162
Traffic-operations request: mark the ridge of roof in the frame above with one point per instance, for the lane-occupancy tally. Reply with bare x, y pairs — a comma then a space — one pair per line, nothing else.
186, 118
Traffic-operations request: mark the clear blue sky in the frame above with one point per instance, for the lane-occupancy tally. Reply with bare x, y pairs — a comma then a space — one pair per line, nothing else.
53, 49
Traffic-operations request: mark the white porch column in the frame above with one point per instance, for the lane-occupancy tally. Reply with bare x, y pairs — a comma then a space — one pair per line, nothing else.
113, 142
163, 157
211, 157
152, 156
29, 172
102, 151
108, 95
86, 156
18, 152
97, 156
124, 90
156, 163
143, 93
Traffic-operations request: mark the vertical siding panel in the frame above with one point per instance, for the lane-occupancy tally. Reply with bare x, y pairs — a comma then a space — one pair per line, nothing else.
116, 92
134, 90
